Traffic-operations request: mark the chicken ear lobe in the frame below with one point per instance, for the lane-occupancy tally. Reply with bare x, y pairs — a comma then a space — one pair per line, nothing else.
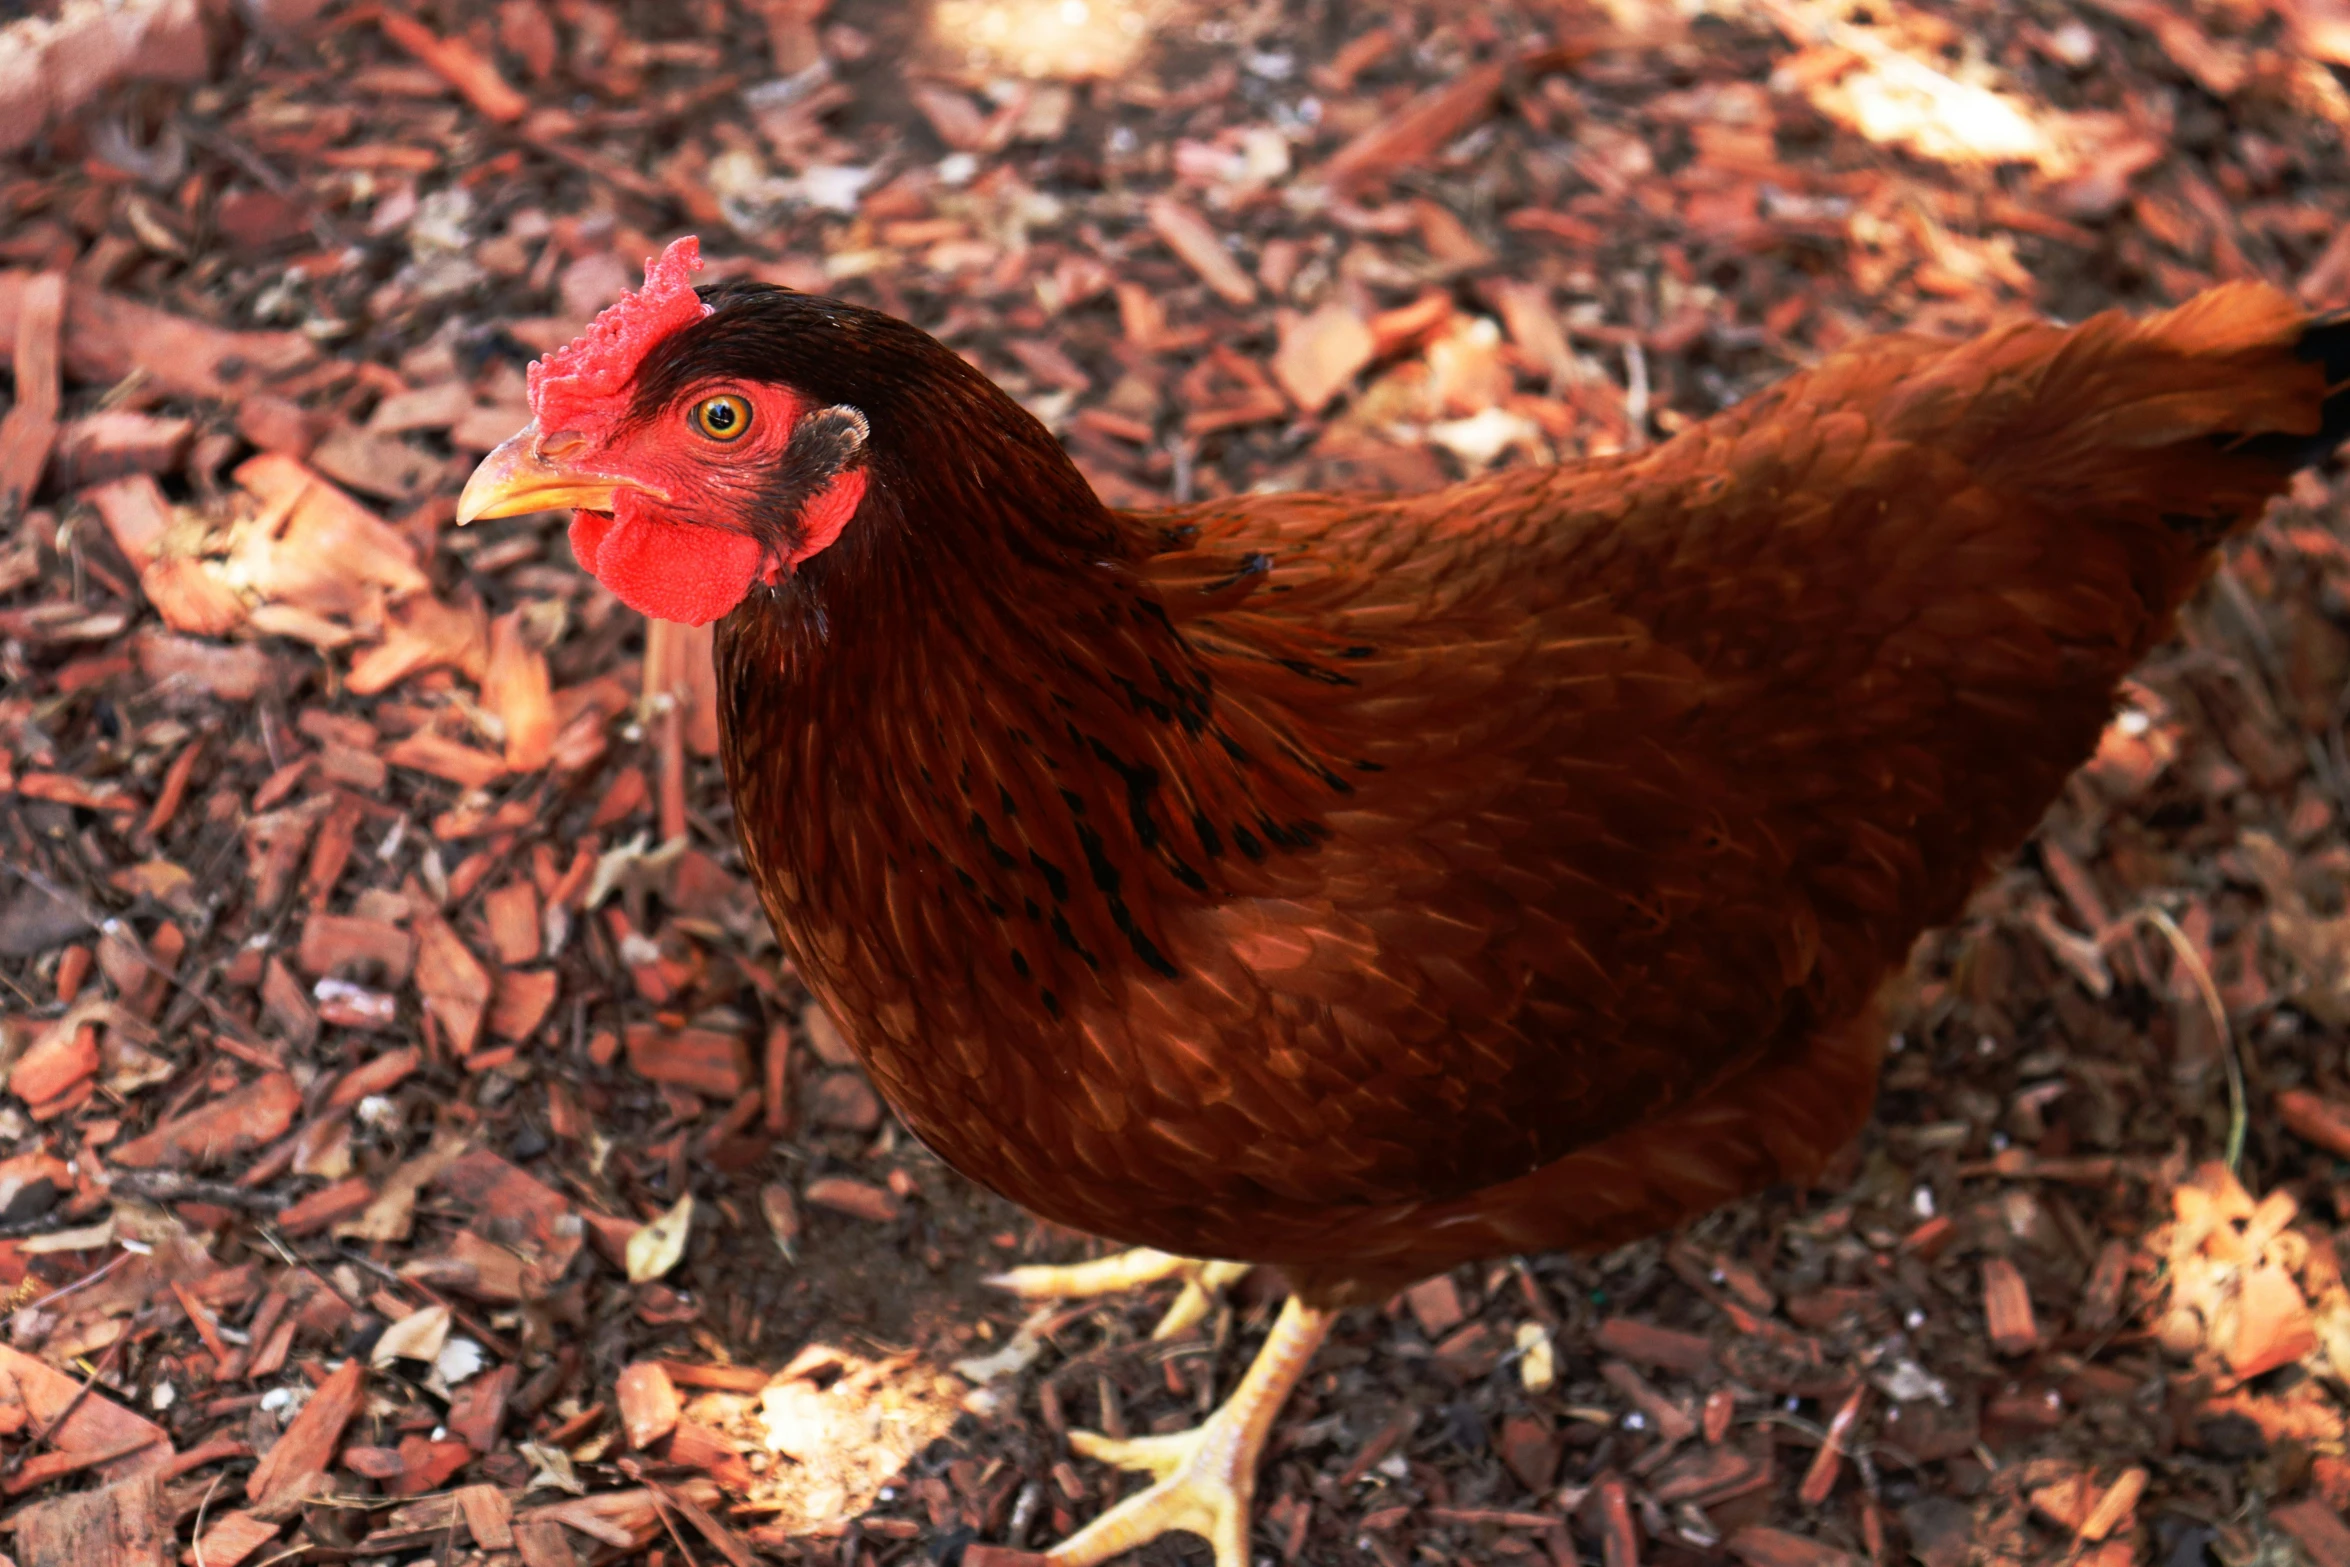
821, 481
833, 437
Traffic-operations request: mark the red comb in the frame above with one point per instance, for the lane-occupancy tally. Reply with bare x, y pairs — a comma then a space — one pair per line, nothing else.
571, 388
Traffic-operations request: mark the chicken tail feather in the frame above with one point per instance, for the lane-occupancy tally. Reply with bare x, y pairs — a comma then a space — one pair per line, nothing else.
2193, 417
2325, 342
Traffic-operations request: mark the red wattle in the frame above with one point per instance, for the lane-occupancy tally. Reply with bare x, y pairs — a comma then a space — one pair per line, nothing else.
670, 571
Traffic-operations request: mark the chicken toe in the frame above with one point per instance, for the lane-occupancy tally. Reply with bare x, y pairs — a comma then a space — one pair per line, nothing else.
1206, 1478
1126, 1270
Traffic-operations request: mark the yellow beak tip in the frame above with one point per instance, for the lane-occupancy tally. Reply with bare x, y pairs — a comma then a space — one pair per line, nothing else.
516, 479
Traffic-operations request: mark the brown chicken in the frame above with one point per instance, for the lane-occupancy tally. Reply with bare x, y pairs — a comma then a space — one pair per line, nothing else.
1362, 884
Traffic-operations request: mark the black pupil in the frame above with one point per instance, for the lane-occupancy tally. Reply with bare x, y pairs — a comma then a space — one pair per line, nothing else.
720, 416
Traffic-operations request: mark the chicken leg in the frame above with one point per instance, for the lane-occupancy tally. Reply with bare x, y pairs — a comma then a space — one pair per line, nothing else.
1206, 1477
1131, 1270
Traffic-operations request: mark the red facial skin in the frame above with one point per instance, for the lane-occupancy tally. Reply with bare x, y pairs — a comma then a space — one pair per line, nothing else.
679, 543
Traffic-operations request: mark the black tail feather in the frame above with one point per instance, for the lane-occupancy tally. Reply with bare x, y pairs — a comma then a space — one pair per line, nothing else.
2325, 341
2328, 343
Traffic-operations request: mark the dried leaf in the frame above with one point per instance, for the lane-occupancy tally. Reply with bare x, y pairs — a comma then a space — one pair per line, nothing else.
657, 1247
417, 1336
1321, 353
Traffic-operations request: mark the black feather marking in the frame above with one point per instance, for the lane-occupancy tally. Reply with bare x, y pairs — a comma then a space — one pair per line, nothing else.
1002, 857
2328, 342
1313, 671
1056, 880
2325, 342
1068, 935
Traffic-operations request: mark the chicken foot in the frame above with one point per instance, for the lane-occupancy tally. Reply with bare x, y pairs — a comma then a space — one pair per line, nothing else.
1206, 1477
1131, 1270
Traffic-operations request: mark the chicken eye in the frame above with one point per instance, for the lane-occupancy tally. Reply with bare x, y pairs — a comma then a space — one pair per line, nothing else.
722, 418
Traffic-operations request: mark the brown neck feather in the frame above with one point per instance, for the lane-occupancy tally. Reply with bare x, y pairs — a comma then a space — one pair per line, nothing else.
972, 761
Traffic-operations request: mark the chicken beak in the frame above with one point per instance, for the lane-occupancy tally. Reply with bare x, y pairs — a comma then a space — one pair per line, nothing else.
521, 476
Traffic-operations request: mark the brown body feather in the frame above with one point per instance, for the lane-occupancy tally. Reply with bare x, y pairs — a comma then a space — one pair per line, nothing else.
1366, 885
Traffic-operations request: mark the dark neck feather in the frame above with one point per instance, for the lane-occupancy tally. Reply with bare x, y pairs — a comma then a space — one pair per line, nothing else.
969, 724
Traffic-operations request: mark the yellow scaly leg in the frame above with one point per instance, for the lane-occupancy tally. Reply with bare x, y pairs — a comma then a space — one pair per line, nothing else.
1207, 1476
1131, 1270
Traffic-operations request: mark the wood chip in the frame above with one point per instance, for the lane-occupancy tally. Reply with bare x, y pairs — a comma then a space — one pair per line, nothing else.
455, 986
2007, 1308
2325, 1122
426, 408
42, 1468
1673, 1423
1531, 1450
460, 764
376, 1075
79, 1420
380, 465
2101, 1299
2317, 1528
516, 688
350, 947
542, 1543
626, 1519
62, 1056
123, 1525
329, 1205
29, 429
136, 516
245, 1118
858, 1199
477, 1410
297, 1465
648, 1403
1706, 1475
512, 914
1321, 353
2114, 1508
489, 1517
1436, 1305
844, 1101
1190, 237
729, 1544
233, 1536
108, 336
536, 1218
116, 442
1650, 1345
702, 1059
1619, 1540
460, 64
184, 666
521, 1003
1438, 117
1820, 1479
1760, 1547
